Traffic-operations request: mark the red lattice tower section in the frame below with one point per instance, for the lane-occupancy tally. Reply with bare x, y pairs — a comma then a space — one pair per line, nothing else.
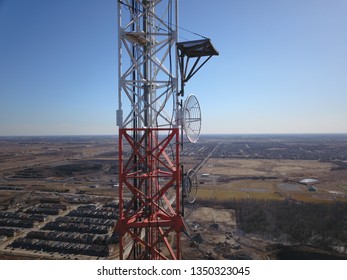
150, 222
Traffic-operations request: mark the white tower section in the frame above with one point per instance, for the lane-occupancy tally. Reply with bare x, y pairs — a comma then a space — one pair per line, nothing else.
148, 70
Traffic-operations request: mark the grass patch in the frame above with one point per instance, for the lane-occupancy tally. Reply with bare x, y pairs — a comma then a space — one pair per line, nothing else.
224, 195
312, 198
344, 187
266, 196
227, 195
204, 194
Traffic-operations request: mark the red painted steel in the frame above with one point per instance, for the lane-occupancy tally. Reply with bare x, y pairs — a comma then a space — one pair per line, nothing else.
150, 222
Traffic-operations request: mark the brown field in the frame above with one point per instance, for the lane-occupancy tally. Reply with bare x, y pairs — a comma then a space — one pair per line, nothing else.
253, 167
250, 179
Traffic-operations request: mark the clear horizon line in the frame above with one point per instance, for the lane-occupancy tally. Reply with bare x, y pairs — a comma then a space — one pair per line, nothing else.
203, 134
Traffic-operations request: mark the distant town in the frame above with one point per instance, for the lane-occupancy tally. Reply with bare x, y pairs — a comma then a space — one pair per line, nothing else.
323, 147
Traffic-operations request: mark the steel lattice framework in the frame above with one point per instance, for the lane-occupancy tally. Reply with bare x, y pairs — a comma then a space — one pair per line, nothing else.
150, 222
150, 116
147, 63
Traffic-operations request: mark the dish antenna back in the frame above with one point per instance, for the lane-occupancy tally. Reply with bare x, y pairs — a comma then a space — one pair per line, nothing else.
190, 185
192, 118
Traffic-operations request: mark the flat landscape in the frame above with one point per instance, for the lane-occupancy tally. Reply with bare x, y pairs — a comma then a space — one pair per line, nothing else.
59, 195
270, 178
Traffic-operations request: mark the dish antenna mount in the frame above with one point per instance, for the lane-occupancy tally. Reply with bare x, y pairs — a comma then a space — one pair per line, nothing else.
192, 55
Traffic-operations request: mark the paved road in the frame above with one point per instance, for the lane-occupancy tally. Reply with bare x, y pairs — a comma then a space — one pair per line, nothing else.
201, 164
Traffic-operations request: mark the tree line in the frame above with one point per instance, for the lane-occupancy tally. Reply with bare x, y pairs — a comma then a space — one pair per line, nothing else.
290, 221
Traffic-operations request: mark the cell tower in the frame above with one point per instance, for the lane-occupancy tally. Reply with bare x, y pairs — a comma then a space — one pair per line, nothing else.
153, 68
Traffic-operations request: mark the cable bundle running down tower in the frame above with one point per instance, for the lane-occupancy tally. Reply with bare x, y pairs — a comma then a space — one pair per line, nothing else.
150, 119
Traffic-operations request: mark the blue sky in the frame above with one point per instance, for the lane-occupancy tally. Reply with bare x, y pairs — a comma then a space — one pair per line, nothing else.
282, 66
